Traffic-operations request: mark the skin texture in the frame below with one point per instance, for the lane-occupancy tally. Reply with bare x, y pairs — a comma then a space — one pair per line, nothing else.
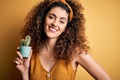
55, 24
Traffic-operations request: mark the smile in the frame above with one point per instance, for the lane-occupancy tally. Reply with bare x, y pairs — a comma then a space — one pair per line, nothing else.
52, 29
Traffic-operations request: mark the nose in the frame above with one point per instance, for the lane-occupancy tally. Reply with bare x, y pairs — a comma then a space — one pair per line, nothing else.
55, 23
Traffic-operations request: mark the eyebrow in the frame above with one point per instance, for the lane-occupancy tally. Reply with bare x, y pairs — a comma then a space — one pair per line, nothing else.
56, 16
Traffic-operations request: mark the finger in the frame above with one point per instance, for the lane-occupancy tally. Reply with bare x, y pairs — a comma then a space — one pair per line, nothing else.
19, 55
19, 60
16, 62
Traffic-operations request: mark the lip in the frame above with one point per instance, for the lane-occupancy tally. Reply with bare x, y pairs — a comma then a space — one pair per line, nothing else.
52, 29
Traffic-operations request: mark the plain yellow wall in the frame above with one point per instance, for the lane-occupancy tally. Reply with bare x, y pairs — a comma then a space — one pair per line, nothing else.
102, 30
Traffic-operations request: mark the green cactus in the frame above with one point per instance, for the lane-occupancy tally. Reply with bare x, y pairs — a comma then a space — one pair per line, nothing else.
26, 41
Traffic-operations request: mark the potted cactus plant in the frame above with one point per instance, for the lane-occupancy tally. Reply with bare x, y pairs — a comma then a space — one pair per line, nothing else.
25, 46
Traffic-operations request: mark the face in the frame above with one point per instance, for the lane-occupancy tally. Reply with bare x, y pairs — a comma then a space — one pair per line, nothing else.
55, 22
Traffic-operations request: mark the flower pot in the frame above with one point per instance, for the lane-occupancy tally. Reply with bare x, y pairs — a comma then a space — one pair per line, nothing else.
25, 51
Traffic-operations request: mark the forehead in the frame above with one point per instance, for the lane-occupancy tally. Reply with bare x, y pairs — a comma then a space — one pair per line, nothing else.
59, 12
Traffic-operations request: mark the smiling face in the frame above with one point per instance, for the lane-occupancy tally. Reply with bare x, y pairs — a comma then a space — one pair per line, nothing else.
55, 22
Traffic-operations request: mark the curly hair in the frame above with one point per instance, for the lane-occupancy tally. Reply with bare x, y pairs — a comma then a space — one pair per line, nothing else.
73, 37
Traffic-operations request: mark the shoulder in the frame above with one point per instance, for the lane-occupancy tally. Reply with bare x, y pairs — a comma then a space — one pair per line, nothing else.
81, 58
78, 55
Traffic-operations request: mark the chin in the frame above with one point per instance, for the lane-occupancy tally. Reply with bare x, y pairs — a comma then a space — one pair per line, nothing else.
51, 36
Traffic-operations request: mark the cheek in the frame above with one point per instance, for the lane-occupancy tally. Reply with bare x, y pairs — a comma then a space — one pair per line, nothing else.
63, 28
45, 23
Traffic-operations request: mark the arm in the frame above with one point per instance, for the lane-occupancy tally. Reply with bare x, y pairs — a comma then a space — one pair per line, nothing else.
92, 67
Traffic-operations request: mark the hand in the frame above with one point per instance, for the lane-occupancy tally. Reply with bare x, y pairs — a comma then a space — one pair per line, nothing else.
22, 64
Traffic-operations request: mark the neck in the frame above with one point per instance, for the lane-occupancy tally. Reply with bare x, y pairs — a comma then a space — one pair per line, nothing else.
50, 44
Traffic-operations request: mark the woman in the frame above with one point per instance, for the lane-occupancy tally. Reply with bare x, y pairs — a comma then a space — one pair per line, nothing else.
58, 43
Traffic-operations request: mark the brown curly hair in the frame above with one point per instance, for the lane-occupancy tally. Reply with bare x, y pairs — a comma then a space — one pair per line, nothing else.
73, 37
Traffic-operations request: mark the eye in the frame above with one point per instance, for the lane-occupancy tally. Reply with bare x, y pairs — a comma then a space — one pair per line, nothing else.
62, 22
51, 17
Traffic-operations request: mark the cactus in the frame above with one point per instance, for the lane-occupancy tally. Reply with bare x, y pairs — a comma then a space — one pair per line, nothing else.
26, 41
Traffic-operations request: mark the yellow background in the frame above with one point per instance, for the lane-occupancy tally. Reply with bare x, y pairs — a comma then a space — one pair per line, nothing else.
102, 30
